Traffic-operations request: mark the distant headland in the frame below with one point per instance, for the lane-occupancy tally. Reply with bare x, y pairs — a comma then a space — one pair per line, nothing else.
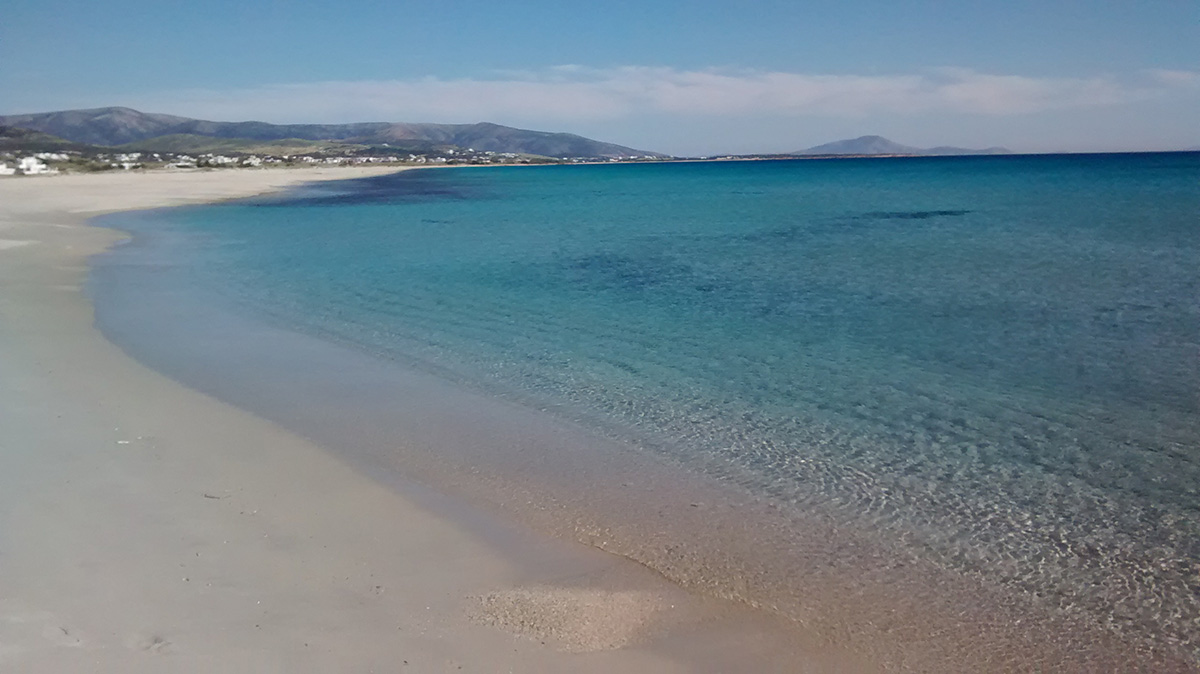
878, 145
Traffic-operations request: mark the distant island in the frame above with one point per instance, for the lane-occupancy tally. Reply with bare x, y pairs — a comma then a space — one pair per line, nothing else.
878, 145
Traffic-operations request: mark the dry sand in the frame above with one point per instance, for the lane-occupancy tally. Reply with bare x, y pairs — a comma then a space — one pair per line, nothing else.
147, 527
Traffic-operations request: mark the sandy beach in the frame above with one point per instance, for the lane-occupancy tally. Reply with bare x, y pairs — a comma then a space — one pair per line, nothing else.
406, 523
147, 527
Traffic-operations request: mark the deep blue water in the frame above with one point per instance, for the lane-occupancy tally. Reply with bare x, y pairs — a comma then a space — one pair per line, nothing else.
995, 359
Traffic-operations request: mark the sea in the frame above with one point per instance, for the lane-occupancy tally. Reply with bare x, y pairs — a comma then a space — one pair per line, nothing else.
986, 368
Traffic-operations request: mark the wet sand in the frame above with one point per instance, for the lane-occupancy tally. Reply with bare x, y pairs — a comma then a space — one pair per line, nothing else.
147, 527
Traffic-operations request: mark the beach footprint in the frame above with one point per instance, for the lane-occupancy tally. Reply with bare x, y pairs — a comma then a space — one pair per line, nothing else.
20, 632
154, 644
61, 635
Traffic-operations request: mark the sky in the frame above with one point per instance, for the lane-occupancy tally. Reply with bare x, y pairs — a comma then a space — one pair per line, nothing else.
687, 78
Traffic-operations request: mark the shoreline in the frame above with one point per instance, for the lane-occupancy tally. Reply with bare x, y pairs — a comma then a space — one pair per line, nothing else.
707, 548
147, 527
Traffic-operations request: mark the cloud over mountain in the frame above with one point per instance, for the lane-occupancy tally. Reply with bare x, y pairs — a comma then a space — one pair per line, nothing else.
576, 92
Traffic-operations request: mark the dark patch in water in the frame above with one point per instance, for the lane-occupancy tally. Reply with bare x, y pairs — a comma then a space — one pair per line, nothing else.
910, 215
781, 235
609, 270
812, 230
404, 187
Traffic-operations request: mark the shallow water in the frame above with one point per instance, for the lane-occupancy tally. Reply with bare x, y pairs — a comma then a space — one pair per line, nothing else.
990, 363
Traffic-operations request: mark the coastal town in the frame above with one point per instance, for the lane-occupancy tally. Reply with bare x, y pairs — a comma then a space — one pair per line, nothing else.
74, 161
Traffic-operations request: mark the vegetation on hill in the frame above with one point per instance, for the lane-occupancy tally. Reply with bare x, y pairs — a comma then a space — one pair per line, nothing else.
125, 127
15, 139
194, 144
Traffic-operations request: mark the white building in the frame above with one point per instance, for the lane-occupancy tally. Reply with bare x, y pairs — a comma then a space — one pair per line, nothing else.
32, 166
183, 161
6, 170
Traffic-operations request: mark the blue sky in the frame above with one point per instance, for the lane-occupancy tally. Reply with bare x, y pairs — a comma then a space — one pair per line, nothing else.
696, 77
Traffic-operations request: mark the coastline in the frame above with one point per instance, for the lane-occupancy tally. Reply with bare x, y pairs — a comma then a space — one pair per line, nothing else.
147, 527
926, 626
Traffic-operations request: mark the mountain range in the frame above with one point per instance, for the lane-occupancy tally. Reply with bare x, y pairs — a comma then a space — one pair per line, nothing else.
133, 129
878, 145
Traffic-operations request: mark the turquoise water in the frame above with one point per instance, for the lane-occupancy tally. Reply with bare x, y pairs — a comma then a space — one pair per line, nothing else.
994, 360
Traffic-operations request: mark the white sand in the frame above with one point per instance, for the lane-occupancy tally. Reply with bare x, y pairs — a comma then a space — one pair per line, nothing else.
145, 527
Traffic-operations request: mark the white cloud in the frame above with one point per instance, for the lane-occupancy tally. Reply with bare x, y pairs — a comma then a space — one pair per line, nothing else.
571, 93
1175, 78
